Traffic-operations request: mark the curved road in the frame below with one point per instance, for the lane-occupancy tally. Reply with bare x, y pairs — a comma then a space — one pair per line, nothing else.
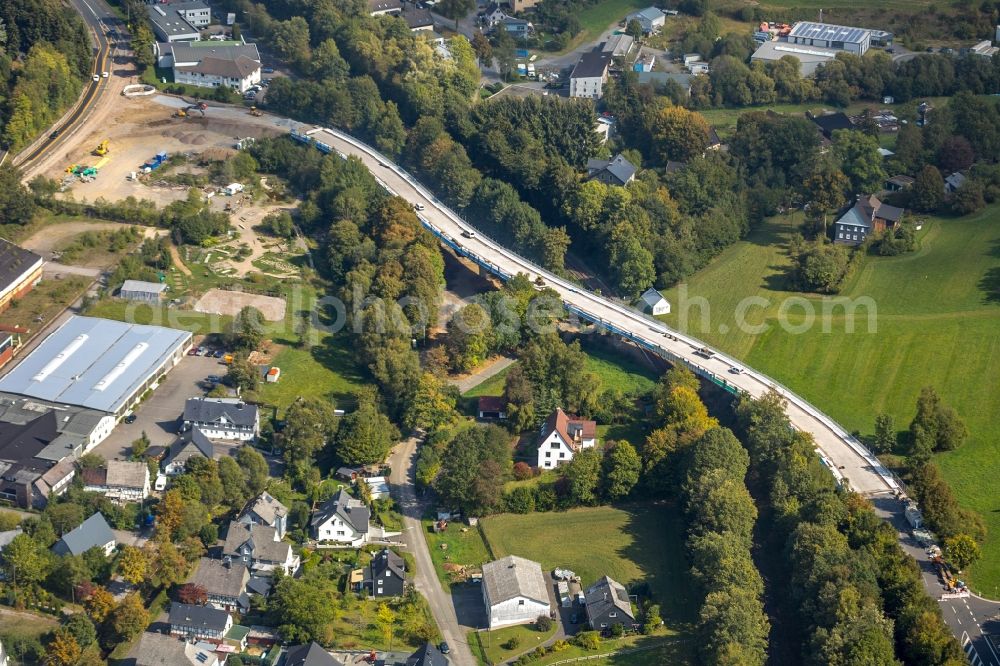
97, 16
843, 454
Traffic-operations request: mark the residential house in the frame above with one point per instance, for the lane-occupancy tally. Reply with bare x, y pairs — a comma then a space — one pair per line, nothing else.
3, 656
310, 654
650, 19
385, 576
867, 216
265, 510
193, 443
829, 123
427, 654
953, 182
617, 171
899, 183
561, 437
492, 407
20, 271
119, 480
514, 591
342, 519
518, 28
189, 621
92, 533
161, 650
608, 604
383, 7
418, 18
654, 303
139, 290
259, 548
714, 142
222, 418
589, 75
211, 64
225, 583
492, 15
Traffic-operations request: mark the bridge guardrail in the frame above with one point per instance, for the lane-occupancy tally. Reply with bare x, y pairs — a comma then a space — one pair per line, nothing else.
859, 449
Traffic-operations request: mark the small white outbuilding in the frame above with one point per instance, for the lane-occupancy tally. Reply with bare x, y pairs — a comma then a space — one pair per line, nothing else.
653, 302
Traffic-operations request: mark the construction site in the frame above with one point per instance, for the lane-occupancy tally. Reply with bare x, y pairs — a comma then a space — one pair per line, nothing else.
143, 132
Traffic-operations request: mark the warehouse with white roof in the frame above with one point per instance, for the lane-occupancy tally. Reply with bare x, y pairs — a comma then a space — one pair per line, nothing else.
97, 364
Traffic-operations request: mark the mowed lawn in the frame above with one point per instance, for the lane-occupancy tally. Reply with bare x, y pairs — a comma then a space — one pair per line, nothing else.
632, 544
935, 320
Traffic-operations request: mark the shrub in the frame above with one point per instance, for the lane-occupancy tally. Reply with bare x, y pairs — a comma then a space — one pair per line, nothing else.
523, 471
512, 643
588, 640
543, 623
560, 645
617, 631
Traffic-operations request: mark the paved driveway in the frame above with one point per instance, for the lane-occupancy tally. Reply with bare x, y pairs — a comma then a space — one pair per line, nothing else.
159, 416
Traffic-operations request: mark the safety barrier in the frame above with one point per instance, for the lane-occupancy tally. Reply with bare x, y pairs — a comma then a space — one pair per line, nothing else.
654, 325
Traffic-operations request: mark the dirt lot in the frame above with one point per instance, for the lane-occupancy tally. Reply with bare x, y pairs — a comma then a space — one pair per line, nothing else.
138, 128
57, 236
225, 302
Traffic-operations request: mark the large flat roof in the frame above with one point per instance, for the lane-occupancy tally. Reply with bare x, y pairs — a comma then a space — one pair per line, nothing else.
829, 32
94, 363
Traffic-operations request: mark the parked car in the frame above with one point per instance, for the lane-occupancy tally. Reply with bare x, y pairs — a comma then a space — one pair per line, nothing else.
193, 351
268, 70
214, 378
444, 648
219, 353
130, 418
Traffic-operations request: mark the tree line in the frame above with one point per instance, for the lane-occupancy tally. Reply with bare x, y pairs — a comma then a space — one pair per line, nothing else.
45, 56
851, 594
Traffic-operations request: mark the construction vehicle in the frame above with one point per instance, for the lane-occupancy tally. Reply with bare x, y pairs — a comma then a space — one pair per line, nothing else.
254, 111
103, 148
156, 162
186, 111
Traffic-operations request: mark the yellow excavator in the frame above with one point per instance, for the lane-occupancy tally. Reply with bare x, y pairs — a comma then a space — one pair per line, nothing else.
103, 148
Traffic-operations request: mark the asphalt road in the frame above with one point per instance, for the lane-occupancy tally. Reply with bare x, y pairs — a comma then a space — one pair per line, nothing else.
401, 485
98, 17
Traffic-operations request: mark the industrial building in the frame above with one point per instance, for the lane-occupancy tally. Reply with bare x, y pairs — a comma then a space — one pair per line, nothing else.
96, 364
138, 290
20, 270
827, 35
180, 21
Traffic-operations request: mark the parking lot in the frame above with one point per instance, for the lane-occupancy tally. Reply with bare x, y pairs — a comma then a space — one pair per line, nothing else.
159, 415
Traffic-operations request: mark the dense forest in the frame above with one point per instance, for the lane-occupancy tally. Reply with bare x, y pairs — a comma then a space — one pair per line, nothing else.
45, 55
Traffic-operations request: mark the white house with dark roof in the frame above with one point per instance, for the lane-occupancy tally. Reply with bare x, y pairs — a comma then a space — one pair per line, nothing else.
616, 171
222, 418
265, 510
211, 64
608, 604
92, 533
562, 436
310, 654
193, 443
259, 548
867, 216
225, 583
342, 519
589, 75
653, 302
189, 621
514, 591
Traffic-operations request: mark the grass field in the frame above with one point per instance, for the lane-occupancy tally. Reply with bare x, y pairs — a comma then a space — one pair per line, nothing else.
488, 646
455, 547
632, 544
635, 650
596, 18
936, 322
326, 371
